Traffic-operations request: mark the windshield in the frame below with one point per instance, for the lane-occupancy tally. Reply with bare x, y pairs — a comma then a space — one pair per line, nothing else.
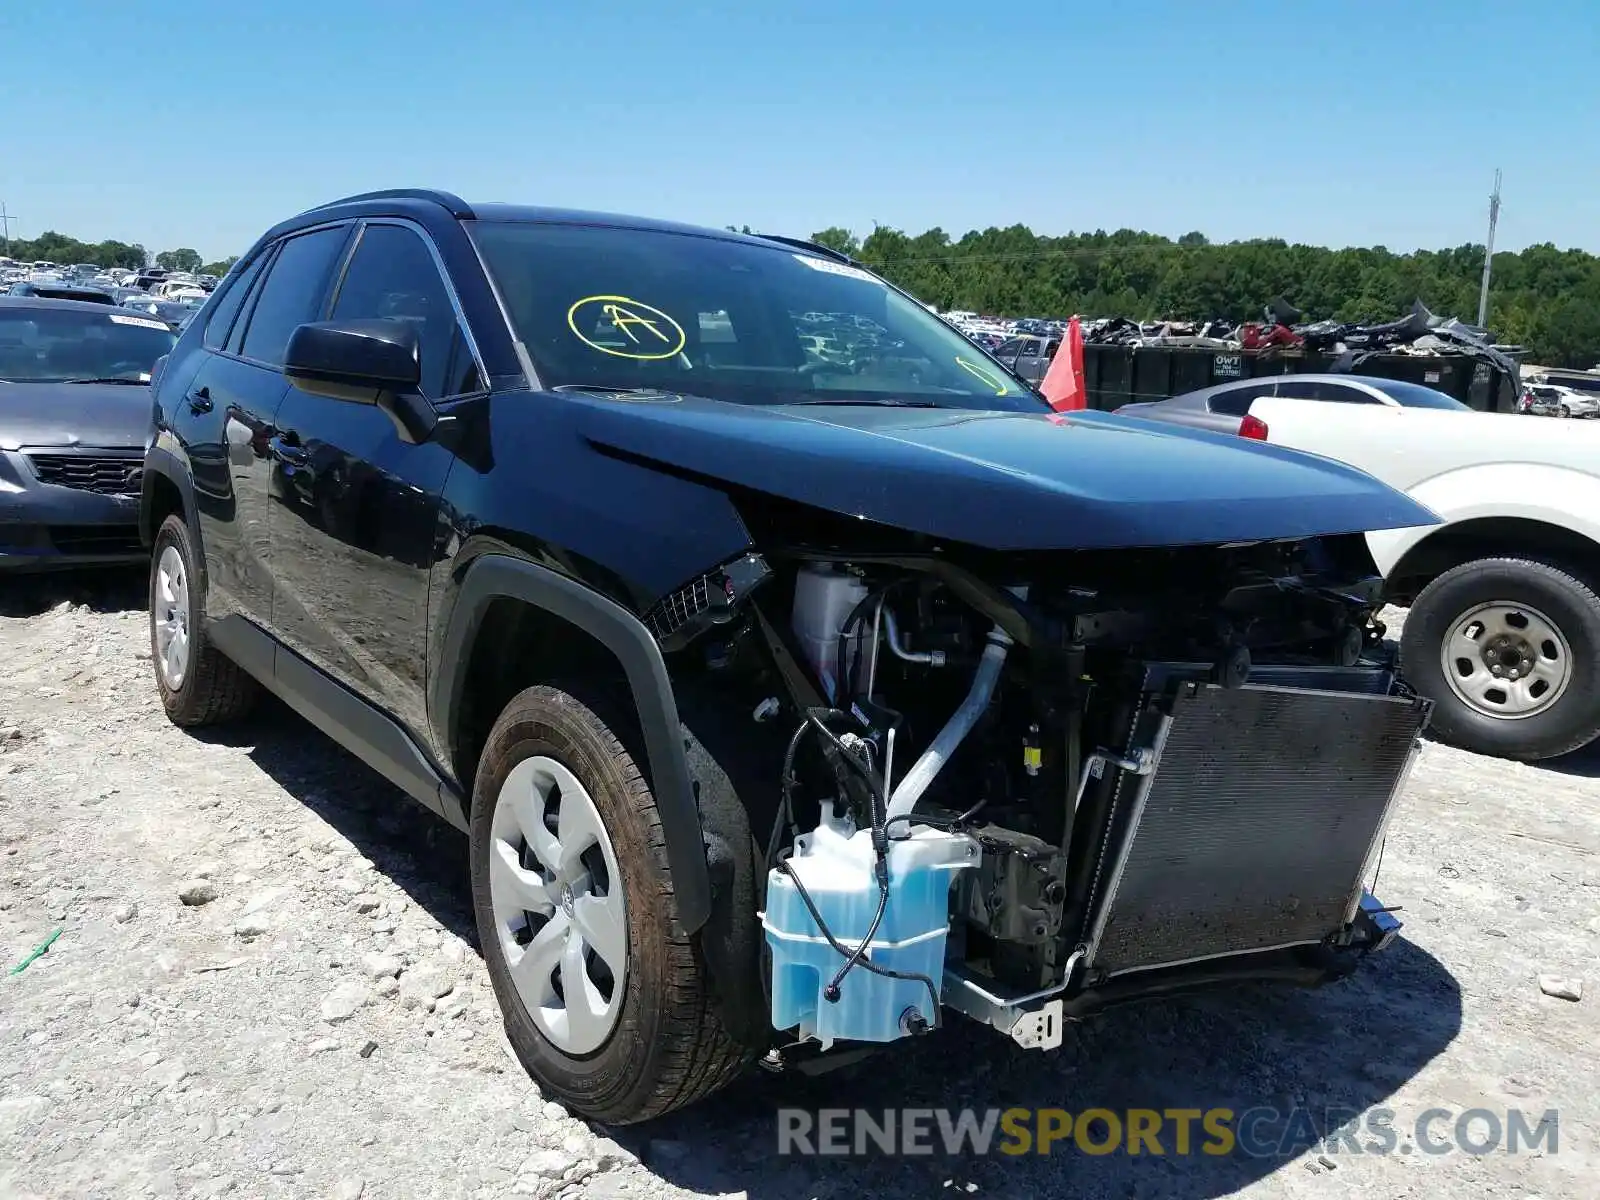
1414, 395
644, 309
53, 345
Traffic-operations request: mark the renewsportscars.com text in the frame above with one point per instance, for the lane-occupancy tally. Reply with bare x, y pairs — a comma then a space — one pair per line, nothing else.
1259, 1132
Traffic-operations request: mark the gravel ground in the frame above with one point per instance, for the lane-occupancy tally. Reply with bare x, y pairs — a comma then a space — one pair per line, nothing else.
266, 984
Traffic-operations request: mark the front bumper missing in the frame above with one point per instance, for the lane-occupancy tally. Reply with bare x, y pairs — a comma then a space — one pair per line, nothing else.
1038, 1021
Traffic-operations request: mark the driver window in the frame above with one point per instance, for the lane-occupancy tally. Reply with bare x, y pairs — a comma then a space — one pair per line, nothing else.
392, 277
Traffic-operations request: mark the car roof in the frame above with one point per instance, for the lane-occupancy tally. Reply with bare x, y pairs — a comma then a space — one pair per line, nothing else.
423, 203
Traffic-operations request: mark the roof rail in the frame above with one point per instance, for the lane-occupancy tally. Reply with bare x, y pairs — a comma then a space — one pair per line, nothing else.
803, 244
458, 207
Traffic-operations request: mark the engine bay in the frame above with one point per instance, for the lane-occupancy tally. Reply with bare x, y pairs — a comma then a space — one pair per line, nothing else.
1009, 783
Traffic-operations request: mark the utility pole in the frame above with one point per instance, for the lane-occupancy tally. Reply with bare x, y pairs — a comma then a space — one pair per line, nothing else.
1488, 252
5, 229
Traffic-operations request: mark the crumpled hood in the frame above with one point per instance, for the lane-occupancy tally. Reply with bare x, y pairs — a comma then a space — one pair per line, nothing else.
109, 416
1008, 481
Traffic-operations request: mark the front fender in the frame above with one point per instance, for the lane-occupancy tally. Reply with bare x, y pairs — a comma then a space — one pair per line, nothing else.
496, 576
1557, 496
164, 459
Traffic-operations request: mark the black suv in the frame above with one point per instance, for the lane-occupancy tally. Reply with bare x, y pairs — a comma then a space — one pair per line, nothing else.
799, 676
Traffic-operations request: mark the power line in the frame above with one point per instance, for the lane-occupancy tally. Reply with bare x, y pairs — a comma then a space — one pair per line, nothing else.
5, 228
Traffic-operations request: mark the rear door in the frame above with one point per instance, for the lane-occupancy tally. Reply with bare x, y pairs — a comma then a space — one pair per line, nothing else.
231, 403
360, 523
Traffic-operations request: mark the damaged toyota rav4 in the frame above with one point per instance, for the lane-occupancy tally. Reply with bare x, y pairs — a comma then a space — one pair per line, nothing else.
802, 681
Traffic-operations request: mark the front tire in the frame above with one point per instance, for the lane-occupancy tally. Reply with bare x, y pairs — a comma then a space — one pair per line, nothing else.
199, 684
607, 1002
1509, 651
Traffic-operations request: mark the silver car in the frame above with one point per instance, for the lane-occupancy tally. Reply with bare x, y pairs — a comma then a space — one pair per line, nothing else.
1225, 407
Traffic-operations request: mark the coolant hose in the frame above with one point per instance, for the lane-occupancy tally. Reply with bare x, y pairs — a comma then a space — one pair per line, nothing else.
916, 781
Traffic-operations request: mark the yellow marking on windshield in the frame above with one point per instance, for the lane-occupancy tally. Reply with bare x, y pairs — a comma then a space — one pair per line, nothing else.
635, 320
974, 369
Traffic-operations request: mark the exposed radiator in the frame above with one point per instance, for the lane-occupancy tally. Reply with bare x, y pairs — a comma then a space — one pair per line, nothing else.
1255, 827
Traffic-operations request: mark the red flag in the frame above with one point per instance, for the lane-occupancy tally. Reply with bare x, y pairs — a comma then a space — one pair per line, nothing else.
1063, 382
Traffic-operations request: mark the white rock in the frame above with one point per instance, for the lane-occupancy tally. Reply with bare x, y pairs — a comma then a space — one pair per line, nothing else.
575, 1145
547, 1164
349, 886
197, 892
366, 902
344, 1001
250, 928
349, 1188
261, 900
377, 966
1561, 988
323, 1045
206, 870
609, 1154
123, 913
422, 985
387, 986
453, 951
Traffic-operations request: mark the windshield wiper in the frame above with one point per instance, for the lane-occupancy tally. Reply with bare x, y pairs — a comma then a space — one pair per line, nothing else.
112, 379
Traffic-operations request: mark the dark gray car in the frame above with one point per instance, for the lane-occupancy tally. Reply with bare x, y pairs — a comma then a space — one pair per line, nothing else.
74, 411
1224, 407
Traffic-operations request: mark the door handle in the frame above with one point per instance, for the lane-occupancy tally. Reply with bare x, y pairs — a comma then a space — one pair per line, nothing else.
199, 400
286, 448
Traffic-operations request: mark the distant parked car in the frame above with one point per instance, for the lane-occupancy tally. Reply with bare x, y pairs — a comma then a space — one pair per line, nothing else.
74, 410
1504, 629
174, 312
1225, 408
63, 291
1553, 400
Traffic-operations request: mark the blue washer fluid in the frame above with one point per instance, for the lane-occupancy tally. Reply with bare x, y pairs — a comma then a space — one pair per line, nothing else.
835, 864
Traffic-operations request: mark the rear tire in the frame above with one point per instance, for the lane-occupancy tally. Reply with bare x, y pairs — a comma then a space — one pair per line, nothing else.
1484, 621
655, 1041
199, 685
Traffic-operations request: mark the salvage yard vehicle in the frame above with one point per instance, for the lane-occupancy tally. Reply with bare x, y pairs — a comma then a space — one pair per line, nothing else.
792, 707
74, 410
1504, 628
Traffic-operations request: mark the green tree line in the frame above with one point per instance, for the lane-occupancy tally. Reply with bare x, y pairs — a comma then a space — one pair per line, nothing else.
1544, 299
51, 246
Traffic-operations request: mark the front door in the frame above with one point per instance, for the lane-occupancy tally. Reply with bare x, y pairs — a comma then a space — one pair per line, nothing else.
359, 523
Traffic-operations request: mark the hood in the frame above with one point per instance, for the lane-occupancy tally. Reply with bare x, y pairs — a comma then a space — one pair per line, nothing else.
109, 416
1007, 481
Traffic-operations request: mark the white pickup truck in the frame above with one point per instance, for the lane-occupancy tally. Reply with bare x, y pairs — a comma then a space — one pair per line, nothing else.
1504, 627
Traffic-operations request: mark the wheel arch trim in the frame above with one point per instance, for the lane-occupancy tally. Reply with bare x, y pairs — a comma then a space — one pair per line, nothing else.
493, 577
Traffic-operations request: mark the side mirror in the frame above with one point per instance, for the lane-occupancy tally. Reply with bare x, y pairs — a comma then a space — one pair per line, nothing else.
357, 361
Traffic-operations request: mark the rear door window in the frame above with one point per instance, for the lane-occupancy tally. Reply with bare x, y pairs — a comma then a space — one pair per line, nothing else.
1235, 402
225, 307
1317, 389
293, 294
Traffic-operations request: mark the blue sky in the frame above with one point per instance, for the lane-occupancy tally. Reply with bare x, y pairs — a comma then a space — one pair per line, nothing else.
1354, 123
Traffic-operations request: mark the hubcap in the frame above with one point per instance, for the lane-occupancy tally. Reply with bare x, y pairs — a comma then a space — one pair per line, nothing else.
169, 618
558, 905
1507, 660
